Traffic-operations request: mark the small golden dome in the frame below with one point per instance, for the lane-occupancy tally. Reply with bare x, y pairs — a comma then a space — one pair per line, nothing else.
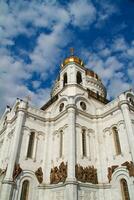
72, 58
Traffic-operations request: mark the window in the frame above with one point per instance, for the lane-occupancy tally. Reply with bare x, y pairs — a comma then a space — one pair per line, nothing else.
84, 142
124, 189
116, 141
65, 79
31, 145
61, 143
61, 107
25, 190
83, 105
79, 78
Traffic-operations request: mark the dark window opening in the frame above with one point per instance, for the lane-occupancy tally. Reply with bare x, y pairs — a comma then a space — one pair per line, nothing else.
25, 190
84, 142
79, 78
31, 145
116, 141
124, 189
65, 79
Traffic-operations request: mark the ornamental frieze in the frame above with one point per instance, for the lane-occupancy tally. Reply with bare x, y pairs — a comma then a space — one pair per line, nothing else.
58, 174
86, 174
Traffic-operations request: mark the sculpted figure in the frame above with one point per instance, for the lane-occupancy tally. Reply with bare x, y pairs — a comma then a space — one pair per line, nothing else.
39, 174
130, 167
17, 171
86, 174
58, 174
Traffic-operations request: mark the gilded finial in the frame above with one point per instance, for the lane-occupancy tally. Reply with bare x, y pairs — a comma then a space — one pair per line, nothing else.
72, 51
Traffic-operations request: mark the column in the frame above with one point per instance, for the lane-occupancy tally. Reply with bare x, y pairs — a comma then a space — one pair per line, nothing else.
8, 181
71, 187
46, 152
71, 143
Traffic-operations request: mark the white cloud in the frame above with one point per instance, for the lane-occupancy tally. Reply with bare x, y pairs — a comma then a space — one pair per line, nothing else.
106, 10
83, 13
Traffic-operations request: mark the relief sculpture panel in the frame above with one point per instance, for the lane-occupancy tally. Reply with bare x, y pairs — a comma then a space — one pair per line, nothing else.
86, 174
58, 174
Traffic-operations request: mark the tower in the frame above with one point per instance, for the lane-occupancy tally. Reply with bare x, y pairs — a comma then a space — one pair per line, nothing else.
78, 146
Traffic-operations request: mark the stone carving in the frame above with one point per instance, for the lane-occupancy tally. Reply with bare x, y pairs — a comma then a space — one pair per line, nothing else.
17, 171
39, 175
110, 172
86, 174
58, 174
130, 167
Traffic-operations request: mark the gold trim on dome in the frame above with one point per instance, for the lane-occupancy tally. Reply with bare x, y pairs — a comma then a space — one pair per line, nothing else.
72, 59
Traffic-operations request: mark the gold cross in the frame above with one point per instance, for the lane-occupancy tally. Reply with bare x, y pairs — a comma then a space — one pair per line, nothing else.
72, 51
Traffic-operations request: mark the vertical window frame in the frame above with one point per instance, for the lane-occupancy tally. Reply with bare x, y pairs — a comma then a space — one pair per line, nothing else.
25, 190
124, 189
31, 143
65, 79
116, 140
84, 148
79, 77
61, 144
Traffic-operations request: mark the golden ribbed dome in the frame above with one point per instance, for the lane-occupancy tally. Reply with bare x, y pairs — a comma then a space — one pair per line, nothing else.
72, 59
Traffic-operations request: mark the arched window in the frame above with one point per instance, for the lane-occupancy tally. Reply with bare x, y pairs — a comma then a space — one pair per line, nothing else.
84, 153
79, 78
124, 189
25, 190
61, 143
31, 145
65, 79
116, 141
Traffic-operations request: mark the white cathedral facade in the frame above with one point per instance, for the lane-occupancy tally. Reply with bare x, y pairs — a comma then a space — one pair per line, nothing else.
78, 146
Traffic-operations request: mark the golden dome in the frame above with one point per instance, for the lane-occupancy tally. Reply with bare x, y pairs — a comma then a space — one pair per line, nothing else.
72, 59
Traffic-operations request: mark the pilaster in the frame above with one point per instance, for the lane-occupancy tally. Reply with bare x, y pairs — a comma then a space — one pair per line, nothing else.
7, 185
71, 187
129, 128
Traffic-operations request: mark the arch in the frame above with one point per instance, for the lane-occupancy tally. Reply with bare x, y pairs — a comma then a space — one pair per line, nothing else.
65, 79
78, 78
25, 190
124, 189
31, 145
116, 140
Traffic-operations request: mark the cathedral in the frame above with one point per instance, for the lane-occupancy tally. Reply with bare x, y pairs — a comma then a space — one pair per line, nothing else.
77, 146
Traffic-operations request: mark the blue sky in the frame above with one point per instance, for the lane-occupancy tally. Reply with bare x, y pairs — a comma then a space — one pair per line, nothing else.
35, 37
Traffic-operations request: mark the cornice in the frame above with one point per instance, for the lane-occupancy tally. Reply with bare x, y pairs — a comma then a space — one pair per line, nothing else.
87, 185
